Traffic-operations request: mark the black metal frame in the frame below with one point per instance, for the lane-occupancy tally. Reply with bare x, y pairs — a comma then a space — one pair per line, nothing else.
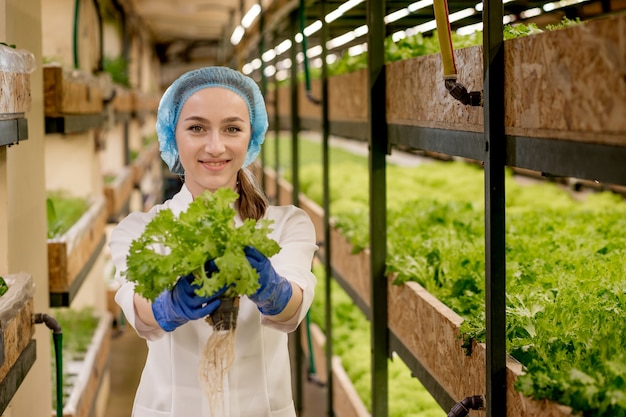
64, 299
495, 149
12, 131
73, 123
17, 374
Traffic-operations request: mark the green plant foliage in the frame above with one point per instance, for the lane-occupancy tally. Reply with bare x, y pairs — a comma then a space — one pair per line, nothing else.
205, 231
118, 68
566, 293
63, 211
3, 286
351, 335
109, 179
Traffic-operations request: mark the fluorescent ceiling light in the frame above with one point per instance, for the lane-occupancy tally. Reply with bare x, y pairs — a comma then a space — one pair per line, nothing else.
461, 14
247, 69
312, 28
337, 13
283, 47
357, 49
361, 31
270, 70
314, 51
530, 13
413, 7
250, 15
268, 55
469, 29
340, 40
397, 15
237, 35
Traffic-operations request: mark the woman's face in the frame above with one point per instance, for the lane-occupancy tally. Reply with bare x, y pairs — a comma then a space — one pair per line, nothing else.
212, 136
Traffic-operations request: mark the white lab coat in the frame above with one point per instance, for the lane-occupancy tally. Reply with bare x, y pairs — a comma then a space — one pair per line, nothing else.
259, 381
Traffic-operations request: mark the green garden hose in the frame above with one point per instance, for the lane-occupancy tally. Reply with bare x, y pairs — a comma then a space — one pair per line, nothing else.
57, 338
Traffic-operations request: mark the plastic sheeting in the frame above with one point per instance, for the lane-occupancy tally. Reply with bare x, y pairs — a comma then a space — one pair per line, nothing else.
21, 290
16, 60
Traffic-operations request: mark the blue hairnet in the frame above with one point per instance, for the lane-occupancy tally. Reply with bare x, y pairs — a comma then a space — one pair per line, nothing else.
176, 94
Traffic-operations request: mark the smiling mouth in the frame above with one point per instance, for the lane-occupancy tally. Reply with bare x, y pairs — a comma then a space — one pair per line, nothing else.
214, 164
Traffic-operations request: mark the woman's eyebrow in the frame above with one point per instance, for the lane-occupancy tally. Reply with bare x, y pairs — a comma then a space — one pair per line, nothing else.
197, 119
233, 119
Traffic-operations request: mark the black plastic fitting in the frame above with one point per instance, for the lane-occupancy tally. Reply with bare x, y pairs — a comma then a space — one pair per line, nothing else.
49, 321
459, 92
462, 408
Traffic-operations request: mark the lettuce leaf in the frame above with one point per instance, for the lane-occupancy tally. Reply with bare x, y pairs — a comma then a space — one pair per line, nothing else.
173, 246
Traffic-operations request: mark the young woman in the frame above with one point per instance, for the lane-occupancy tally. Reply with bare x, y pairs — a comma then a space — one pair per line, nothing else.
211, 123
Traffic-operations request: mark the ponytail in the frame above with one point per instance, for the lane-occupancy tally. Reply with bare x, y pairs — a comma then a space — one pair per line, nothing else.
252, 202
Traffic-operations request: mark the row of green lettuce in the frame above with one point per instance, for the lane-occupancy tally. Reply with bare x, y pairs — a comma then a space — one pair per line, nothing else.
351, 343
419, 45
565, 266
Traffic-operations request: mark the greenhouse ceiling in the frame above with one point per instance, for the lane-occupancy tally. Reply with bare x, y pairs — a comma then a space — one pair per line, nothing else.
212, 31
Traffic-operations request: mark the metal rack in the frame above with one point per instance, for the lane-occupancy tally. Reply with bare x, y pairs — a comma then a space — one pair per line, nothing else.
495, 149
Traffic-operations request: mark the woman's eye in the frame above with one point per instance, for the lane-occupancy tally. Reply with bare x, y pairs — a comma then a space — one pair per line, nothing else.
195, 128
233, 129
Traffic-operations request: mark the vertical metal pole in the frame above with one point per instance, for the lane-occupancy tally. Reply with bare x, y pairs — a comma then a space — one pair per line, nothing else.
328, 269
295, 128
495, 148
276, 131
378, 215
263, 86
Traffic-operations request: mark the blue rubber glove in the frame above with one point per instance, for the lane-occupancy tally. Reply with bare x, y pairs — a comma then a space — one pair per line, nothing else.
275, 291
175, 307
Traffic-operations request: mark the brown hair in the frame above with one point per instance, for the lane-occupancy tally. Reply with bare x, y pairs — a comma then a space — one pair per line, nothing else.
252, 201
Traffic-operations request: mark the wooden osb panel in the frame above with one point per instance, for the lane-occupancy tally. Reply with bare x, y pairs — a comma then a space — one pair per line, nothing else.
284, 100
348, 97
270, 183
285, 197
565, 84
346, 401
316, 214
85, 392
16, 311
307, 108
416, 94
354, 268
68, 254
569, 83
70, 92
15, 97
144, 103
123, 101
318, 343
430, 331
144, 161
118, 193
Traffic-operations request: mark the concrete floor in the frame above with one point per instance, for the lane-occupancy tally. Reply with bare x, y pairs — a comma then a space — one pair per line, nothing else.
128, 353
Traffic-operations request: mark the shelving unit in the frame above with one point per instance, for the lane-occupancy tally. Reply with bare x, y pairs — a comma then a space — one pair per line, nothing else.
91, 372
73, 101
544, 112
71, 256
17, 99
18, 349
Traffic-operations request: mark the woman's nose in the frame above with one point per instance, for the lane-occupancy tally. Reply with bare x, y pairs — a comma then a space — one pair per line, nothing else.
214, 144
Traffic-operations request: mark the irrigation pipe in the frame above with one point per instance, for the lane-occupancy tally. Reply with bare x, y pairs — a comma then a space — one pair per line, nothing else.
457, 90
57, 337
463, 407
305, 62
